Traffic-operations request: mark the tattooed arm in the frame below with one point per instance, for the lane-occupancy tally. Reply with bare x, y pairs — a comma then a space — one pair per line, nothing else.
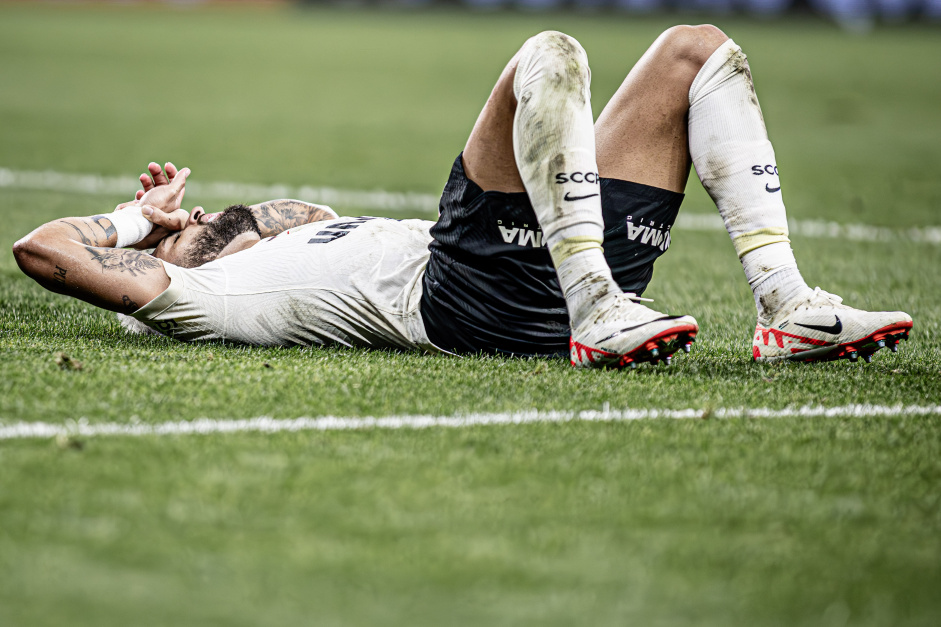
276, 216
75, 257
273, 216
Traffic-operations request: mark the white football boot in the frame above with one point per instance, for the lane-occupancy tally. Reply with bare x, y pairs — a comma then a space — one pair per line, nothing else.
621, 333
821, 328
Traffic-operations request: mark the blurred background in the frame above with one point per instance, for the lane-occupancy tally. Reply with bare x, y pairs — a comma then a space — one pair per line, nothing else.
851, 14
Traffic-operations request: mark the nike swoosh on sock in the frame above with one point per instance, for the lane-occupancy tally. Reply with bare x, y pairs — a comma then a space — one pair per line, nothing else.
566, 197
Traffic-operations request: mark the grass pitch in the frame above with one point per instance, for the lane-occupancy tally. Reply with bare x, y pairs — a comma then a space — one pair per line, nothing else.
827, 521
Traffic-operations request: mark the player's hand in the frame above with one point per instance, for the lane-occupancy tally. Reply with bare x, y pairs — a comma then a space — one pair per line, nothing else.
125, 205
154, 177
164, 224
161, 201
168, 197
169, 217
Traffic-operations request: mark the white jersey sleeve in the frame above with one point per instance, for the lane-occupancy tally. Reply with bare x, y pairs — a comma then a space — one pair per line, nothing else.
350, 281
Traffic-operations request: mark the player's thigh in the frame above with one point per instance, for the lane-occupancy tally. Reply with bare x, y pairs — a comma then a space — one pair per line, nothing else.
641, 135
488, 155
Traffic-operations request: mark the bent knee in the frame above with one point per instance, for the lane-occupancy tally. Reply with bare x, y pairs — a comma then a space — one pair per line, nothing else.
556, 45
692, 44
554, 59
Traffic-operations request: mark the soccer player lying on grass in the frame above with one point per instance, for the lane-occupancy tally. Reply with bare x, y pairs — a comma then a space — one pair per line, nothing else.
548, 227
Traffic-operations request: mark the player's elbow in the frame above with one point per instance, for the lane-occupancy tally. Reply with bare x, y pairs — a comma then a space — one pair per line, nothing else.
28, 254
21, 249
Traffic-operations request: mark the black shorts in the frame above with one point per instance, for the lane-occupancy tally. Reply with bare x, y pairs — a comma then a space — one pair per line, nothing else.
490, 285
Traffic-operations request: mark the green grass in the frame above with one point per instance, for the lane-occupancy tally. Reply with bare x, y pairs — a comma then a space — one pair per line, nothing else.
740, 522
649, 523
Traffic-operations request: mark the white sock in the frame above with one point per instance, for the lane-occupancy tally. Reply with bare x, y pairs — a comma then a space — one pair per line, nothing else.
773, 277
554, 144
735, 162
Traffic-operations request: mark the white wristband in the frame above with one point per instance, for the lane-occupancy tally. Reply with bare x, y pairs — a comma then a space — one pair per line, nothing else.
131, 226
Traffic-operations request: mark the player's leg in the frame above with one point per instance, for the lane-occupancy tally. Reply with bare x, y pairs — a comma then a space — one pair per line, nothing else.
641, 135
488, 155
691, 96
649, 128
735, 161
554, 148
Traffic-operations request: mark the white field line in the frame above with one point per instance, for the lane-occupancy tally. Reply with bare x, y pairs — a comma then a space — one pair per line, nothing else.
265, 424
343, 199
823, 229
125, 186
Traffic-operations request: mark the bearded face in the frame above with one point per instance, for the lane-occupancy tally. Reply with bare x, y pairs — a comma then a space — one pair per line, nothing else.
216, 235
204, 239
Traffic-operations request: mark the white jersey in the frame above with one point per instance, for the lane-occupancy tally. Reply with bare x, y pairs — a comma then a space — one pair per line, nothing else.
350, 281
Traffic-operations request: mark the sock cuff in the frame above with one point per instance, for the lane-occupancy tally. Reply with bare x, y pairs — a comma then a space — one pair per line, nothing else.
746, 242
729, 53
570, 246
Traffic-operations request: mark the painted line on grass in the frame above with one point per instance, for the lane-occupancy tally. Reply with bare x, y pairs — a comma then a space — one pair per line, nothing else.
265, 424
824, 229
415, 202
95, 184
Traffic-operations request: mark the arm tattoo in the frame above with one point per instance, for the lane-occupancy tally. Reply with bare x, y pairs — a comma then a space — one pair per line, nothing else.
81, 234
86, 234
129, 305
277, 216
319, 215
59, 275
121, 260
105, 225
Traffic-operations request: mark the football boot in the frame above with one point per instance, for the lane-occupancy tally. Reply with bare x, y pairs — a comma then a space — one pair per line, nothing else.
819, 327
621, 333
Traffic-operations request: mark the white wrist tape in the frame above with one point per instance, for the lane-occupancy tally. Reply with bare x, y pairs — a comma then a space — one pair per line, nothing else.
131, 226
